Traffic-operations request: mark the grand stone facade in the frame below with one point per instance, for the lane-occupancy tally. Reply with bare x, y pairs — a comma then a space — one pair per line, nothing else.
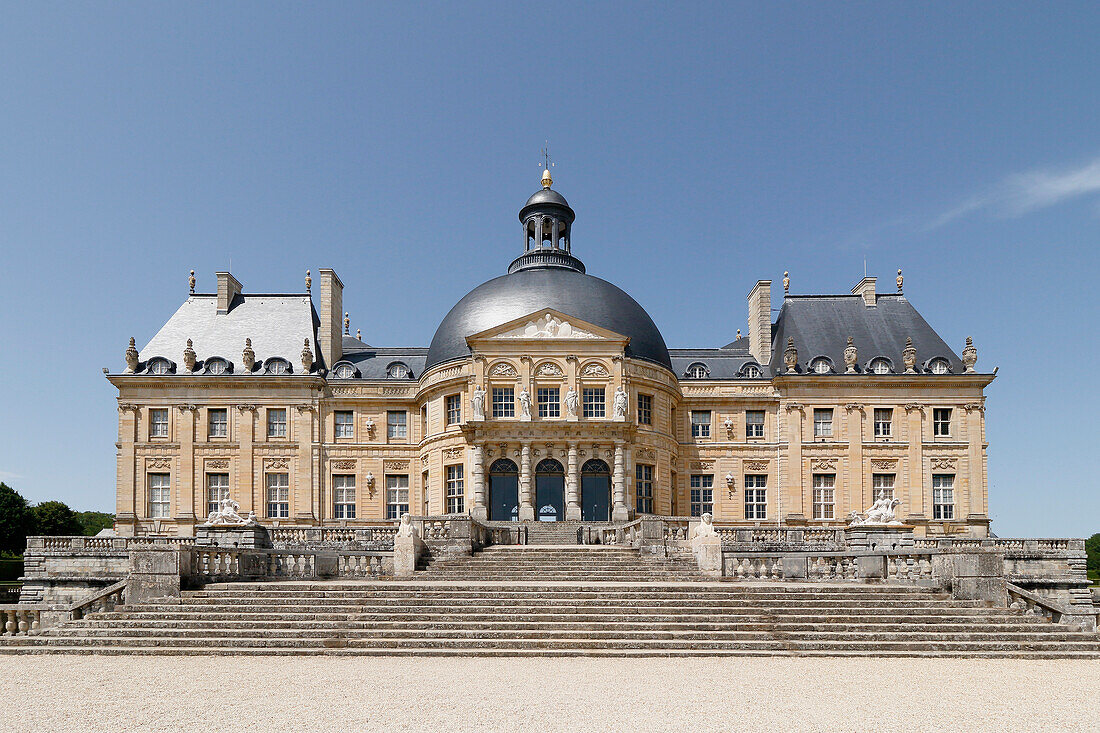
549, 394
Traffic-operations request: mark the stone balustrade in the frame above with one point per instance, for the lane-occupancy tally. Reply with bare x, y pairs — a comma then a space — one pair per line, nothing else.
17, 620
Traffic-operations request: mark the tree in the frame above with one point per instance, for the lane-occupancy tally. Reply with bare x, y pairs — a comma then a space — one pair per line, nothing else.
1092, 549
92, 522
55, 518
15, 520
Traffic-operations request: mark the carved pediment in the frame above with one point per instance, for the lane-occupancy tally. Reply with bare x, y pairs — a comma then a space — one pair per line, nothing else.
547, 324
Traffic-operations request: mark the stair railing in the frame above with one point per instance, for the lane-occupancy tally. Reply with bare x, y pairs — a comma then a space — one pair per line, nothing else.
101, 600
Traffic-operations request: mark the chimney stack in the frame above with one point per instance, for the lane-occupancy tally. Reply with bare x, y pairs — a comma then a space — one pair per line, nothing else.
866, 289
331, 312
760, 321
228, 288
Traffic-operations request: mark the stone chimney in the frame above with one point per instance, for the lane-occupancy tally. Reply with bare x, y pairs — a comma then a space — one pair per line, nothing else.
865, 288
760, 322
228, 288
331, 311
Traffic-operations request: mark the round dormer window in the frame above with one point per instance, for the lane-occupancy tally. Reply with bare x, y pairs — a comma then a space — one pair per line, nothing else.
880, 366
939, 366
159, 366
752, 371
697, 371
216, 366
277, 366
820, 365
397, 370
344, 371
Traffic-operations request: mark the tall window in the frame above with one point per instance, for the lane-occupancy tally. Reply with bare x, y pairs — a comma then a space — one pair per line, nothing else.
455, 494
645, 409
882, 485
549, 401
644, 475
941, 422
823, 423
700, 423
454, 409
824, 506
756, 496
943, 496
424, 421
158, 423
343, 424
754, 423
504, 402
159, 495
278, 495
217, 488
702, 494
397, 496
218, 423
397, 424
343, 496
595, 404
276, 423
884, 422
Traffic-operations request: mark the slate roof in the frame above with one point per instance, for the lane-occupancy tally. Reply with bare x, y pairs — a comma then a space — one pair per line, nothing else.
821, 325
724, 363
277, 325
373, 363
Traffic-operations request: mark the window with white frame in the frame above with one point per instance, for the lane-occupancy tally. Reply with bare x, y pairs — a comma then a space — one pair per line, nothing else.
941, 422
160, 501
397, 370
158, 423
754, 423
454, 409
943, 496
549, 399
397, 427
702, 494
218, 422
645, 409
940, 366
397, 496
343, 424
751, 371
643, 488
821, 366
278, 495
159, 366
217, 488
756, 496
424, 421
700, 423
344, 371
456, 497
697, 371
882, 486
823, 495
884, 422
880, 366
594, 402
276, 423
504, 402
343, 496
823, 423
277, 366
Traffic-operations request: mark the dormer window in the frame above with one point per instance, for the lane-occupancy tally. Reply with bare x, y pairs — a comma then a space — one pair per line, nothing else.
880, 366
939, 366
160, 366
821, 365
751, 371
216, 365
343, 370
398, 370
698, 370
277, 366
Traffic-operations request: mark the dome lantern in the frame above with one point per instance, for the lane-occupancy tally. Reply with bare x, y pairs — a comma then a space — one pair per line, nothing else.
547, 228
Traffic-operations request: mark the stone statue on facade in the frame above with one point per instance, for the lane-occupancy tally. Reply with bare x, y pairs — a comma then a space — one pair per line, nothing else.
131, 357
619, 404
571, 402
406, 528
525, 403
477, 403
881, 513
705, 528
226, 515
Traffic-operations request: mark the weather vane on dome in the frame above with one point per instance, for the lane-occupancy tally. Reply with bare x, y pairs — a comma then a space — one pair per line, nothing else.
547, 164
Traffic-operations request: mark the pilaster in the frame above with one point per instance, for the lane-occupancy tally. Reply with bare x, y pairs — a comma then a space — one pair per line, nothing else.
185, 481
572, 484
914, 489
526, 498
620, 511
479, 510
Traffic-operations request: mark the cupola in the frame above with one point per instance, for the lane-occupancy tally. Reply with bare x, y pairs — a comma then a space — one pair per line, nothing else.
547, 228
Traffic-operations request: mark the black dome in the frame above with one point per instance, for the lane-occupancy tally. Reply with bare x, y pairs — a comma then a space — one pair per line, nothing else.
573, 293
546, 196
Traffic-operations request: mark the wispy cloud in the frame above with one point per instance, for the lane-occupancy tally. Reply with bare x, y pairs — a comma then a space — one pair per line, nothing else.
1022, 193
9, 476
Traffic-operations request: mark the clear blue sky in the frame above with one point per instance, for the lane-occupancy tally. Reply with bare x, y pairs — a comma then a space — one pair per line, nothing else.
702, 146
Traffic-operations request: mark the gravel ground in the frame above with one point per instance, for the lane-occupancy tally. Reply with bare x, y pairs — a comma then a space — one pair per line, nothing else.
58, 693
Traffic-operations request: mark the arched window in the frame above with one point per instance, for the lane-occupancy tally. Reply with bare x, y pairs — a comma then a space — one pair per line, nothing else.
217, 365
595, 467
503, 466
939, 366
160, 366
821, 365
698, 370
343, 370
880, 366
277, 366
398, 370
549, 465
751, 371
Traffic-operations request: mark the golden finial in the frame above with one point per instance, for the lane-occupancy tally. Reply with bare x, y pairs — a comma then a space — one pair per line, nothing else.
547, 164
358, 334
739, 334
899, 280
347, 323
309, 281
191, 282
786, 281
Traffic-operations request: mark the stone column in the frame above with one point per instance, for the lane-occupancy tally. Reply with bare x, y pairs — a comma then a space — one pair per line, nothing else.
245, 472
526, 494
185, 481
975, 478
796, 506
477, 460
572, 485
130, 502
620, 512
856, 484
914, 485
302, 479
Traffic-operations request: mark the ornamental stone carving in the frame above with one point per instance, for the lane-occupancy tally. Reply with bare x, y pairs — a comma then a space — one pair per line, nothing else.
307, 357
944, 464
619, 404
274, 464
477, 403
226, 515
189, 357
344, 465
909, 356
571, 402
248, 356
217, 463
548, 326
702, 465
503, 369
525, 404
395, 465
884, 464
969, 355
851, 356
756, 465
131, 357
823, 464
594, 369
881, 513
548, 369
453, 453
790, 356
155, 463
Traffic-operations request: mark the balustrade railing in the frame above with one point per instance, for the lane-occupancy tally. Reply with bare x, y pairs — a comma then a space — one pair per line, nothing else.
102, 600
19, 620
361, 565
291, 564
769, 567
909, 567
216, 562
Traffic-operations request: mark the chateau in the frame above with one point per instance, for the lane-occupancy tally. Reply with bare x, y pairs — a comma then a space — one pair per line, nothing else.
549, 394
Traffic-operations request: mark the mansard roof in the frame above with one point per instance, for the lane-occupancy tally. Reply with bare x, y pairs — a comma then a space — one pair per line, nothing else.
724, 363
821, 324
374, 363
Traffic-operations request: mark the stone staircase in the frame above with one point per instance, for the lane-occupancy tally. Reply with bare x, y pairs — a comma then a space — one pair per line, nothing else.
552, 533
555, 601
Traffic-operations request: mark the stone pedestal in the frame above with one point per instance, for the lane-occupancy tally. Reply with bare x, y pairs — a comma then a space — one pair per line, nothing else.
653, 537
976, 574
155, 573
879, 538
245, 537
708, 555
406, 551
479, 512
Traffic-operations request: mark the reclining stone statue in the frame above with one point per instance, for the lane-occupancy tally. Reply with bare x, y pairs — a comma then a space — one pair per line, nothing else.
881, 513
226, 515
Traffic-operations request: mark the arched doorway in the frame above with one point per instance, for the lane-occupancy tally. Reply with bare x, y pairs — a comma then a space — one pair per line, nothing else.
595, 491
549, 491
504, 491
